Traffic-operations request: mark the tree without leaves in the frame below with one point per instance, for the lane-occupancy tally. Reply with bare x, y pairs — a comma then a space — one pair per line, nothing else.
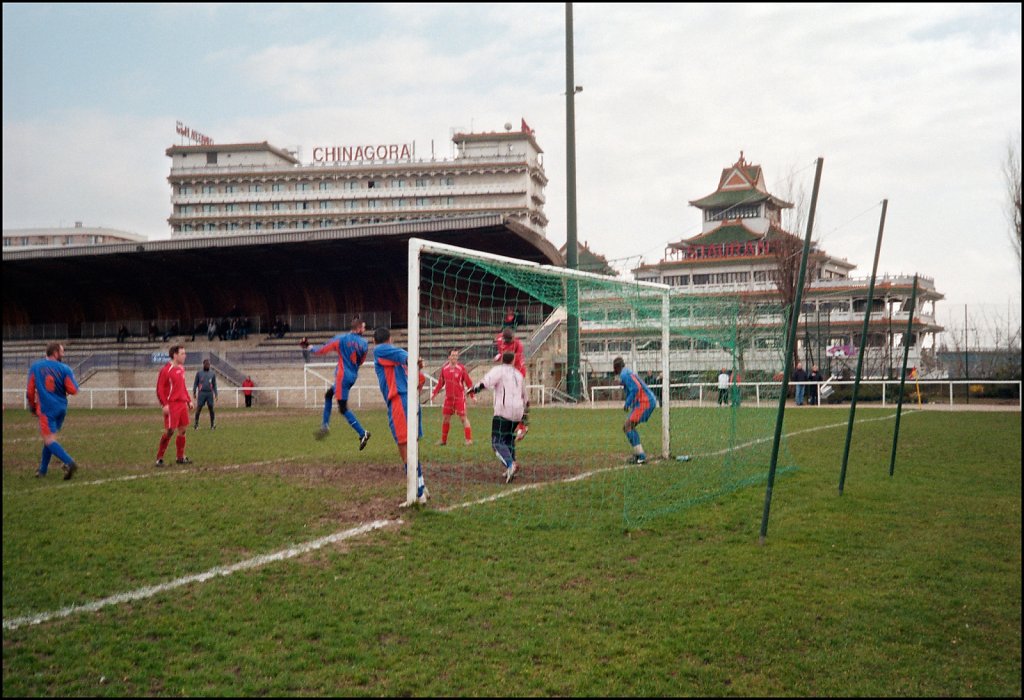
1011, 175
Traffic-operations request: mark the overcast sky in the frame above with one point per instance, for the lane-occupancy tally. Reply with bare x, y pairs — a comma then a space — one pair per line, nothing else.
916, 104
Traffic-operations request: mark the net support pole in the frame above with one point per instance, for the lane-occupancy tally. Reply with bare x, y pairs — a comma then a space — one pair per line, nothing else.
794, 317
863, 350
413, 398
666, 378
903, 375
572, 350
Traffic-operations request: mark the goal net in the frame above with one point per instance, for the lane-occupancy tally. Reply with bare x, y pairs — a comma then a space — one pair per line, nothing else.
576, 462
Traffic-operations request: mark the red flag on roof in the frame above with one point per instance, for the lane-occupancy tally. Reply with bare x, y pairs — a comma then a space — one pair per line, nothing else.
526, 128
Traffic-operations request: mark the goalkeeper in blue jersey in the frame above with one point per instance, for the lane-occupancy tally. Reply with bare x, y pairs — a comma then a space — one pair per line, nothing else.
640, 403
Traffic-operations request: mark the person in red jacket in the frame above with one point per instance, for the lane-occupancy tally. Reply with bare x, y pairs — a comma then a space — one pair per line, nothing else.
247, 386
176, 404
455, 380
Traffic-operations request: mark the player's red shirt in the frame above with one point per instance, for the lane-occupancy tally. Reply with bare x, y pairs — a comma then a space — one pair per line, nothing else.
515, 347
175, 386
453, 379
163, 384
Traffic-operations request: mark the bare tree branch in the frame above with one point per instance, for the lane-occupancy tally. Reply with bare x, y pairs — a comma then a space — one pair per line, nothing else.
1011, 175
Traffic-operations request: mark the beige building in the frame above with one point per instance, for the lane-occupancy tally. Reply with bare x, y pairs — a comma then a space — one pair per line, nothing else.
255, 187
28, 238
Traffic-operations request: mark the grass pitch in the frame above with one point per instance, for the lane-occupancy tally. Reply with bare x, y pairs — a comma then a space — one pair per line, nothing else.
908, 585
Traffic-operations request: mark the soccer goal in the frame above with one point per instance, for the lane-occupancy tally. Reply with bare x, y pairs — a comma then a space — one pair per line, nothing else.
699, 441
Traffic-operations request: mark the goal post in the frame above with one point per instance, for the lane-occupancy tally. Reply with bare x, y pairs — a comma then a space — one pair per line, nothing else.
418, 247
678, 344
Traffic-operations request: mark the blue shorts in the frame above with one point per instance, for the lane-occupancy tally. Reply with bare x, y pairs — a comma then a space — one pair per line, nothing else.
50, 424
641, 414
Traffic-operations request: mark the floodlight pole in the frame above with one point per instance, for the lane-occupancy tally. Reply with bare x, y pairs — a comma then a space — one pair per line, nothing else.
794, 318
862, 351
903, 375
572, 350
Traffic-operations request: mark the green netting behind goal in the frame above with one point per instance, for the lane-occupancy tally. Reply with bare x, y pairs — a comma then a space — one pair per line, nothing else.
573, 461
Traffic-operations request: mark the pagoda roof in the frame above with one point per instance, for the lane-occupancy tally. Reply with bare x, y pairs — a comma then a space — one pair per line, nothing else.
729, 198
740, 183
728, 233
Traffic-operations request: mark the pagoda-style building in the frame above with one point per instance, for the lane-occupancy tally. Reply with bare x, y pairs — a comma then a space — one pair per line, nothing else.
737, 253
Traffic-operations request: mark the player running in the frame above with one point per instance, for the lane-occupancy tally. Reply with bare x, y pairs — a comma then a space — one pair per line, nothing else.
640, 402
351, 348
455, 380
49, 383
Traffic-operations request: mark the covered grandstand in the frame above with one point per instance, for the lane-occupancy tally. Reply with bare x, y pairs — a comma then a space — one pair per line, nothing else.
90, 291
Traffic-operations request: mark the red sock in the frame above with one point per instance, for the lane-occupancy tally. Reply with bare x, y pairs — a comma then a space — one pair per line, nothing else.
180, 444
165, 440
445, 427
469, 434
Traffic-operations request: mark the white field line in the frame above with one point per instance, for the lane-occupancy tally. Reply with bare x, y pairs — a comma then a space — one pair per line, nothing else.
297, 550
149, 591
157, 472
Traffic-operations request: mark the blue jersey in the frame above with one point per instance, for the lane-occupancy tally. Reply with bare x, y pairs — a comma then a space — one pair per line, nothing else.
638, 394
49, 383
351, 349
392, 366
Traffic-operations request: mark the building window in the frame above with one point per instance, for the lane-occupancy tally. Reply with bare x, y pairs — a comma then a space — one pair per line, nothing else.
325, 205
423, 182
352, 185
677, 280
255, 187
208, 208
229, 189
209, 189
372, 184
255, 206
276, 206
184, 189
447, 182
423, 201
398, 183
277, 187
211, 158
350, 204
372, 203
229, 207
325, 186
701, 279
258, 225
303, 186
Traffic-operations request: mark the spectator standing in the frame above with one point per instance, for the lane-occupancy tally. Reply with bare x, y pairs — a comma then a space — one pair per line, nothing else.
723, 387
304, 344
799, 377
812, 389
247, 386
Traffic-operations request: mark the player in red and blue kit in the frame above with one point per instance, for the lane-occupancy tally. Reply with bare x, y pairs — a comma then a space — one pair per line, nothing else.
640, 402
351, 348
49, 383
454, 380
392, 367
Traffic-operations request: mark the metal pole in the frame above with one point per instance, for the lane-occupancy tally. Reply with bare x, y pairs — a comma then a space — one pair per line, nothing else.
572, 351
794, 319
903, 375
863, 347
967, 359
